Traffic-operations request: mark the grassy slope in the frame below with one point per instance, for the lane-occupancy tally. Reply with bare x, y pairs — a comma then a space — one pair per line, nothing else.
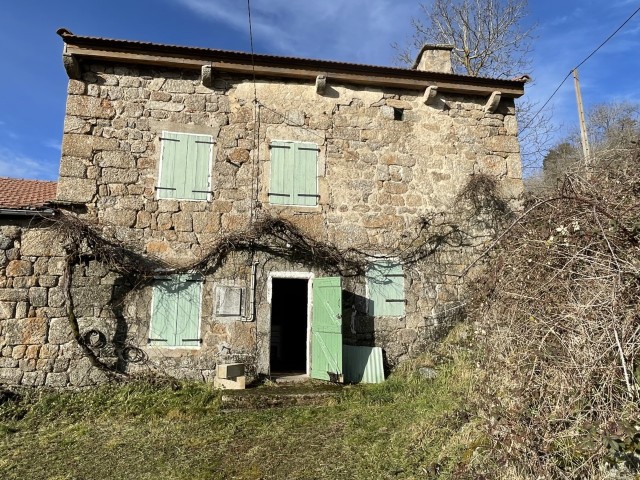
395, 430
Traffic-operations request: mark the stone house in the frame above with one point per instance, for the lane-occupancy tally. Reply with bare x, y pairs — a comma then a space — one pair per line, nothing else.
282, 204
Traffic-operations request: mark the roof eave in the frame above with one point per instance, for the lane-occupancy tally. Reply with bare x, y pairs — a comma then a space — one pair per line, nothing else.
26, 212
282, 67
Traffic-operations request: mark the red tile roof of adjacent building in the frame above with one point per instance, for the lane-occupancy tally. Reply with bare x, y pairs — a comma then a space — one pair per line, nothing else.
21, 194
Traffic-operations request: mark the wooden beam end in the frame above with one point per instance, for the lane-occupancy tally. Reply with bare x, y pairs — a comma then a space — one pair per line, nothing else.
493, 102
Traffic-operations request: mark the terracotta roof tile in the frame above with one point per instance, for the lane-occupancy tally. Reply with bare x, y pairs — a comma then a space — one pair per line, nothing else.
17, 193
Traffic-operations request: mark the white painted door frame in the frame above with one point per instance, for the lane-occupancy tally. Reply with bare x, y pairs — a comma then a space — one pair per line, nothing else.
309, 276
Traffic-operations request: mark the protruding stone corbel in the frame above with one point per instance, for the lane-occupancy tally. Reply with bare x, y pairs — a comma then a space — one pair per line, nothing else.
206, 75
493, 102
429, 96
71, 66
321, 84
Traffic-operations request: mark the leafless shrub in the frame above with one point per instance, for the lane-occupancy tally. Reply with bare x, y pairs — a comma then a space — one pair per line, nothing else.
558, 313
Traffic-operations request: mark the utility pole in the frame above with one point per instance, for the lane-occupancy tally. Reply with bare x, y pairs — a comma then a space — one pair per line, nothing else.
583, 126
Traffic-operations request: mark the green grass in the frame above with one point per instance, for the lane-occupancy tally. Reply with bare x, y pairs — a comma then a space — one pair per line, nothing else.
140, 431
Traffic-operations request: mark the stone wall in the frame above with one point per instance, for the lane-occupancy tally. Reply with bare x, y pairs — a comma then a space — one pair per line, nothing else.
385, 160
36, 346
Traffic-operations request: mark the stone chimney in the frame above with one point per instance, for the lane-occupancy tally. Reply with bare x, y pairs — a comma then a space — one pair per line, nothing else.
434, 58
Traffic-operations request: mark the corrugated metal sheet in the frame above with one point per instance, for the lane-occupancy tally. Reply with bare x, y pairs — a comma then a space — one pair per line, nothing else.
362, 364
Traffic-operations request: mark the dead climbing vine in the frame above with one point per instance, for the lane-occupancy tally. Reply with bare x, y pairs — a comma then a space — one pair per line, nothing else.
277, 238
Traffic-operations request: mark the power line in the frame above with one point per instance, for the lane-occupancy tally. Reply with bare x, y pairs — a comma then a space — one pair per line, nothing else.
578, 66
255, 183
253, 64
545, 103
607, 39
255, 92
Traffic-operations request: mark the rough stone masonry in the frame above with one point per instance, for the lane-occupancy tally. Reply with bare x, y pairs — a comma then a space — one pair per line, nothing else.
385, 160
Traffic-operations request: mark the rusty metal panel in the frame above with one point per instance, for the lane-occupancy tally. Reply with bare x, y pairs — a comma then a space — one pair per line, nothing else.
362, 364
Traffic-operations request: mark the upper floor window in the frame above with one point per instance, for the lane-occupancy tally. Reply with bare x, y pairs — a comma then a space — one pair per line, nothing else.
294, 174
185, 166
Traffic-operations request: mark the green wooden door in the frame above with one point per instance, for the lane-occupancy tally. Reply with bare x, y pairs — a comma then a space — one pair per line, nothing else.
326, 329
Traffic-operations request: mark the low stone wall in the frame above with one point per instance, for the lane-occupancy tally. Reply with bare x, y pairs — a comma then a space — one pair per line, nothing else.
32, 352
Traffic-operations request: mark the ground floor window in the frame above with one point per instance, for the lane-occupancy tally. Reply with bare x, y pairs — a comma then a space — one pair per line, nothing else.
175, 311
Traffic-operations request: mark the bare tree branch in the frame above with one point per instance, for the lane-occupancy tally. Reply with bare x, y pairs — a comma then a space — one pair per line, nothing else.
490, 38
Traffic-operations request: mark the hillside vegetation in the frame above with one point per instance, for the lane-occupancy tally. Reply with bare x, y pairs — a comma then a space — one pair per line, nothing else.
559, 305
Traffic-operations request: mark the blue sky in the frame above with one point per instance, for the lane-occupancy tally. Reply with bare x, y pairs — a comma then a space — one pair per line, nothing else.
33, 81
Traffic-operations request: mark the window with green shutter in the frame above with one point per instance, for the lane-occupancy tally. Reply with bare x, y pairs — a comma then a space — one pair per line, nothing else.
385, 289
294, 174
175, 311
185, 166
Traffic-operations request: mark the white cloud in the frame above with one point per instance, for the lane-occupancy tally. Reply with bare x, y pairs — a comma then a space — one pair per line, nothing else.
355, 31
53, 144
18, 165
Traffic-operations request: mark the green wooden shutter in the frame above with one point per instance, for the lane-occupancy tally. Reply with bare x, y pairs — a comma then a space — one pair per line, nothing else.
198, 161
184, 170
281, 185
176, 312
305, 185
294, 174
174, 148
385, 285
187, 318
164, 305
326, 329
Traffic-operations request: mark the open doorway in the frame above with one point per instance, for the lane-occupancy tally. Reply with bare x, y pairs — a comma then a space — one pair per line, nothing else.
289, 325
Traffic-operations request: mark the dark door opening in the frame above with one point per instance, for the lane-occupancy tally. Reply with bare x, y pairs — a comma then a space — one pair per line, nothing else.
289, 300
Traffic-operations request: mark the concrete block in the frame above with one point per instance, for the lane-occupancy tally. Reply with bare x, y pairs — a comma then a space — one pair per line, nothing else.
237, 383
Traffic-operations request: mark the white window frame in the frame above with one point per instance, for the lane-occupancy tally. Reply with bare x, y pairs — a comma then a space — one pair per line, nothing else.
308, 276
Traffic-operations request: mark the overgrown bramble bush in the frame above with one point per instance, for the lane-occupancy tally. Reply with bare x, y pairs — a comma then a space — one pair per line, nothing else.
559, 316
